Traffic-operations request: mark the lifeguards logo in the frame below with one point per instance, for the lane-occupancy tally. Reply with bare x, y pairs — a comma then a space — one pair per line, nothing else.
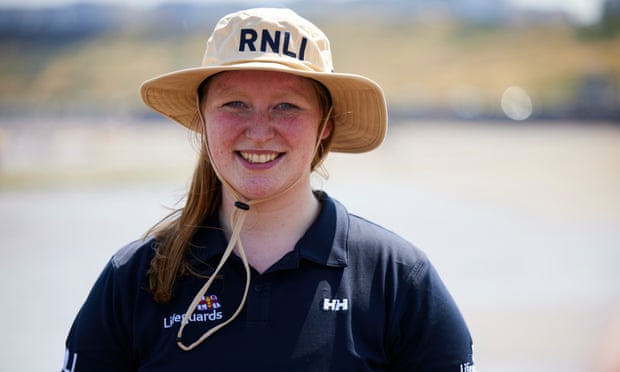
206, 311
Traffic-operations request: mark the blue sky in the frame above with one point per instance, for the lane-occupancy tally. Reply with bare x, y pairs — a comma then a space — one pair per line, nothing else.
581, 10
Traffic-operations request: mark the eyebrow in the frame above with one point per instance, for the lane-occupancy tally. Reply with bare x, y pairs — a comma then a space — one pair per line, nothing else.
290, 89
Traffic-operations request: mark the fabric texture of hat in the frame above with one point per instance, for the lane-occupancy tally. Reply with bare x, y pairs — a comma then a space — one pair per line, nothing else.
276, 40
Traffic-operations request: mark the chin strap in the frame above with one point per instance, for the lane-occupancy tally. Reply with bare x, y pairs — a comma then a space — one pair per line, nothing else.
237, 219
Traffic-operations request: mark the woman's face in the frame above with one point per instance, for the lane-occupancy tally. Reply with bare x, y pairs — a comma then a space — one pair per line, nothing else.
262, 129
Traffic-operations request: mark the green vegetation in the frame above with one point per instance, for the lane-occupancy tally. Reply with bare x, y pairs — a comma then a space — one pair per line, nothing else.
419, 64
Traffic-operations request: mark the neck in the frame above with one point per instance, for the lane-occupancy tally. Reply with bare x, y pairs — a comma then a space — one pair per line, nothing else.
272, 227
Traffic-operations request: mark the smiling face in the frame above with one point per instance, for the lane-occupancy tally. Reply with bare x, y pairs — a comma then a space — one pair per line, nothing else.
262, 129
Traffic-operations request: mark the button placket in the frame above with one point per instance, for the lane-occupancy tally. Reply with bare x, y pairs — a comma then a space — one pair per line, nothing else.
258, 301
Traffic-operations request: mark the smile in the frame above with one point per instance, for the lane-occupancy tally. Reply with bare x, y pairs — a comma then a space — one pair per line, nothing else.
259, 158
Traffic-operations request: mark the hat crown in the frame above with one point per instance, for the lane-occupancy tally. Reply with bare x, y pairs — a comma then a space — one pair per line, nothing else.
276, 40
268, 35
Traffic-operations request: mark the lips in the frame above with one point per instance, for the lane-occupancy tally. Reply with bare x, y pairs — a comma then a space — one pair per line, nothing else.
261, 158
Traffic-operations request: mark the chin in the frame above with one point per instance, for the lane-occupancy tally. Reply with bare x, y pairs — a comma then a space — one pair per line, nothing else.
254, 193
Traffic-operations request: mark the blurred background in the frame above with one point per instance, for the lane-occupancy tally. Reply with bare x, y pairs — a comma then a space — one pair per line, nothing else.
502, 160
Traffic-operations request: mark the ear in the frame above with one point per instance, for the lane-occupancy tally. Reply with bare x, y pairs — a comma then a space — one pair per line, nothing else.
329, 127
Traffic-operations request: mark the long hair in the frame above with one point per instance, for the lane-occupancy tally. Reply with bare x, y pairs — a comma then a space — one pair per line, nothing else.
175, 232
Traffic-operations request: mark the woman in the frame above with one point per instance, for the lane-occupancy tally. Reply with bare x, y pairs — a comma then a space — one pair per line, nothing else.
258, 271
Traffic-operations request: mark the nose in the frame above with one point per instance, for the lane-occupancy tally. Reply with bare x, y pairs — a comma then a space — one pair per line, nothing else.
260, 127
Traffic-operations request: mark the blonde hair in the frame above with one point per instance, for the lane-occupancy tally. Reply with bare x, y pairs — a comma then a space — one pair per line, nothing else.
175, 232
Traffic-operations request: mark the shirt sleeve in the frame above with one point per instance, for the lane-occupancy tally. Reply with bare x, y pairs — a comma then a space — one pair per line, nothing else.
100, 337
429, 331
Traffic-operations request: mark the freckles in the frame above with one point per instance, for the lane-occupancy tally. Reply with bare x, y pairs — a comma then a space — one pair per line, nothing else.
222, 129
299, 128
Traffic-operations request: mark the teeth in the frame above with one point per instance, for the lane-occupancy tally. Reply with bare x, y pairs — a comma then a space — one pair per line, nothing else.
258, 158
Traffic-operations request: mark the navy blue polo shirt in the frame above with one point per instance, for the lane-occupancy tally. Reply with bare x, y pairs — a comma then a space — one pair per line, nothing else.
351, 296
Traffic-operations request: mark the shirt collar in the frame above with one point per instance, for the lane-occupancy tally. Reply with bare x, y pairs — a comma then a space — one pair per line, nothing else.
324, 243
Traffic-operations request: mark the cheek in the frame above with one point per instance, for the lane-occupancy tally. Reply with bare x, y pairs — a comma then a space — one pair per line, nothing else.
220, 133
305, 135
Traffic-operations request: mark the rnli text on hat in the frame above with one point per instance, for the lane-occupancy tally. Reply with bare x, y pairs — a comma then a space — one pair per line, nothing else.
249, 36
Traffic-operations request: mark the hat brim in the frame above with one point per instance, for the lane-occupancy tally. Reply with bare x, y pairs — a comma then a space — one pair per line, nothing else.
360, 110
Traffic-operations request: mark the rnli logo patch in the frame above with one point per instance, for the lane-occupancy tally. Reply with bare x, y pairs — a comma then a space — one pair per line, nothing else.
208, 303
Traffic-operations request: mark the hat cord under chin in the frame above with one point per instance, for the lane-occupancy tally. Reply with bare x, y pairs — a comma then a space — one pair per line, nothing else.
237, 219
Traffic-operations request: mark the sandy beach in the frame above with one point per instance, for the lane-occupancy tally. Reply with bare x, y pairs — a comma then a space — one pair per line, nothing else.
522, 221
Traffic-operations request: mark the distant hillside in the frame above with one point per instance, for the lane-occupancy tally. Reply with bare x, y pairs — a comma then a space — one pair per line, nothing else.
87, 19
452, 58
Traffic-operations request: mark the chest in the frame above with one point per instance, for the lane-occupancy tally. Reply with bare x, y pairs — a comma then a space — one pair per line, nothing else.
310, 319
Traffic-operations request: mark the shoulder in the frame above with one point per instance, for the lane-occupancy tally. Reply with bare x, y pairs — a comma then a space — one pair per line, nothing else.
363, 233
421, 318
105, 321
136, 250
124, 276
371, 245
132, 262
374, 243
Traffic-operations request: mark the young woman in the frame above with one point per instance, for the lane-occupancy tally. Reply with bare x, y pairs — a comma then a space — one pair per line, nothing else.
258, 271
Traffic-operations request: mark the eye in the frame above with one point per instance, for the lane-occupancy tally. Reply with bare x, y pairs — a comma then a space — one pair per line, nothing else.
234, 105
285, 106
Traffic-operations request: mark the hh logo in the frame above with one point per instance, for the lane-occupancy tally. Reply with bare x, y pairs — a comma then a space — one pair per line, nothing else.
208, 303
335, 304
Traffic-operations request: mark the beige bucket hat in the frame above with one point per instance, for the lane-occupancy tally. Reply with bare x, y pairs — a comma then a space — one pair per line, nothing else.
276, 40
